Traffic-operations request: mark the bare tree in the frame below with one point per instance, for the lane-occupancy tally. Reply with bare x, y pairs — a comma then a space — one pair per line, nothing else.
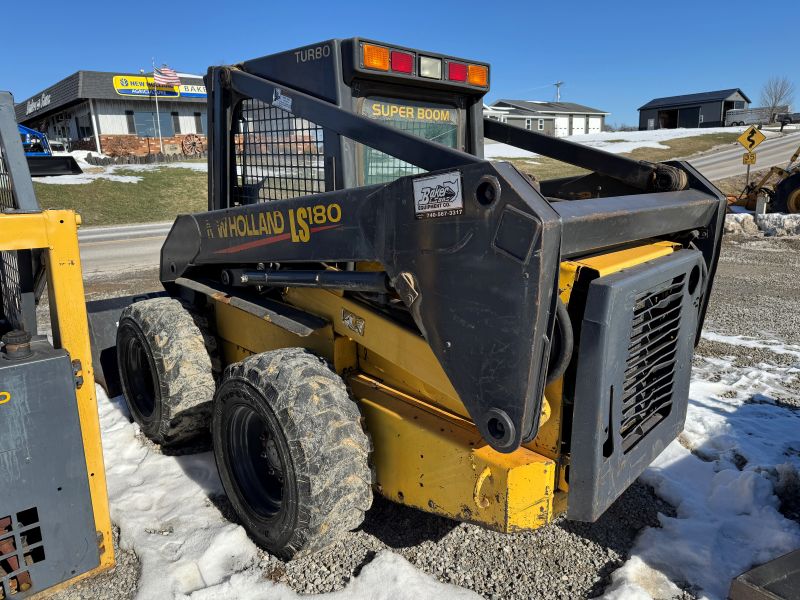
777, 91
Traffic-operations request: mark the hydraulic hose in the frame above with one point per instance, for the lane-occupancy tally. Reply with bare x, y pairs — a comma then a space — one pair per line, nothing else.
564, 343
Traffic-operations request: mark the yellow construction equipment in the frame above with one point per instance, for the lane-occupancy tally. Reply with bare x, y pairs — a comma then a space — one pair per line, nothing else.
54, 520
369, 306
782, 194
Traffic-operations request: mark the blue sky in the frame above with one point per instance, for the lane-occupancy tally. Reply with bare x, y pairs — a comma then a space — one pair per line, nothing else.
612, 55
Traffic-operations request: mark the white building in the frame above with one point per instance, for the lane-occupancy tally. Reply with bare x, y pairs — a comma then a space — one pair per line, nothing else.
558, 119
115, 113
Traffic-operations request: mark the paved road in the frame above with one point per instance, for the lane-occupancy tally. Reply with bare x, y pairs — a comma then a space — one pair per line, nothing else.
728, 162
109, 250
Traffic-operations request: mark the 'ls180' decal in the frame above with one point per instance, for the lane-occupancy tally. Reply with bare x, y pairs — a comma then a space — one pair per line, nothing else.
270, 226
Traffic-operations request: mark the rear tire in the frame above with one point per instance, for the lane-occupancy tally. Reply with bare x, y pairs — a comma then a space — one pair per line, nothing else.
787, 195
165, 370
290, 451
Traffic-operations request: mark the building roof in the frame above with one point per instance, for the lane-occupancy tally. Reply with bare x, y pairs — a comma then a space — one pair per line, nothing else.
97, 85
716, 96
538, 106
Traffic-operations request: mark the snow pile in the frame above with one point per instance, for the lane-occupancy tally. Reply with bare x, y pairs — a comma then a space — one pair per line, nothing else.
187, 549
162, 507
779, 224
741, 223
93, 173
388, 577
771, 224
615, 141
737, 450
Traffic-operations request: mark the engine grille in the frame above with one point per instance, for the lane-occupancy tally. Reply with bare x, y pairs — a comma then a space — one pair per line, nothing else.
635, 345
652, 353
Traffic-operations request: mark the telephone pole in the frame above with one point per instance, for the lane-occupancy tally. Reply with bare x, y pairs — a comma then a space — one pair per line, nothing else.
558, 85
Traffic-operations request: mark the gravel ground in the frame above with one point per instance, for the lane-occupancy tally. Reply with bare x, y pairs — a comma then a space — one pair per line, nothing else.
118, 583
756, 289
566, 560
755, 295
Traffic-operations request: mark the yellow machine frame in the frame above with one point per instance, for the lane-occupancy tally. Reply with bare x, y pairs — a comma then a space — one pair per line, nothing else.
427, 452
56, 233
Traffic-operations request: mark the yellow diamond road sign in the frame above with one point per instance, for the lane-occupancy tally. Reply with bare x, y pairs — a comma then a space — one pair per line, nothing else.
751, 138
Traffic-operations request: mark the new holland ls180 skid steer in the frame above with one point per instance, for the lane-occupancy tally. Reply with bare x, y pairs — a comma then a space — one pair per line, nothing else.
369, 306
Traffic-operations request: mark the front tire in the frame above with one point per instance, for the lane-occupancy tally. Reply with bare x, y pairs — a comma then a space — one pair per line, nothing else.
165, 370
290, 451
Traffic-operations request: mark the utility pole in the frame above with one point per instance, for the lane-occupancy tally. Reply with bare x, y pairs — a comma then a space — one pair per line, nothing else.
558, 85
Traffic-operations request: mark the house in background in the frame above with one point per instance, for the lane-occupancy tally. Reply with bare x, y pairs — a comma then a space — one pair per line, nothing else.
558, 119
705, 109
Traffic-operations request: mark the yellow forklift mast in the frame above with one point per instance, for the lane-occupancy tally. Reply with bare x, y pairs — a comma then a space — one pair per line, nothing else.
54, 520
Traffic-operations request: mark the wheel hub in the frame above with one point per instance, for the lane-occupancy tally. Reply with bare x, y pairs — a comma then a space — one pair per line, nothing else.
255, 461
793, 202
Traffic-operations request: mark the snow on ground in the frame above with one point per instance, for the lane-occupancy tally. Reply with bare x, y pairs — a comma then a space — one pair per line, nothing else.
187, 549
93, 172
615, 141
738, 448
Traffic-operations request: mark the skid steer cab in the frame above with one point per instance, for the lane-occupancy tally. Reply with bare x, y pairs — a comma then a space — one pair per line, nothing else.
369, 306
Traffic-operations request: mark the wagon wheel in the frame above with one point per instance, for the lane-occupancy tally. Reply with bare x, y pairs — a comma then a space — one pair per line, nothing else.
192, 144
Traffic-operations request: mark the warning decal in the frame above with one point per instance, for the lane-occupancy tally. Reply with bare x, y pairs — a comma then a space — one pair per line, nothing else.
438, 196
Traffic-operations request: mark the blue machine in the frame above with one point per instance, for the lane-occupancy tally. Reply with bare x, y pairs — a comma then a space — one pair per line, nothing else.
41, 161
34, 142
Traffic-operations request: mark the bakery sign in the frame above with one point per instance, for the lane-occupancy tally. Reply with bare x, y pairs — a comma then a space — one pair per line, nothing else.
192, 91
36, 104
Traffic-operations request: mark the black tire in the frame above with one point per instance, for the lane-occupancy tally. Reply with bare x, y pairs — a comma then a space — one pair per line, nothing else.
291, 452
165, 371
787, 195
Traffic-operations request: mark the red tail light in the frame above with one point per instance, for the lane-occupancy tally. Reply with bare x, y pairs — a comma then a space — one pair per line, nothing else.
456, 71
402, 62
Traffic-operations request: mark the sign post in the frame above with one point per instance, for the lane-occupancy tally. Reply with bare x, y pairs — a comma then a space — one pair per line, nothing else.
750, 138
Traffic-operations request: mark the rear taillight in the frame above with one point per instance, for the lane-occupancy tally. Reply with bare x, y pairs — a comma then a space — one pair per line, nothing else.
402, 62
375, 57
384, 58
478, 75
456, 71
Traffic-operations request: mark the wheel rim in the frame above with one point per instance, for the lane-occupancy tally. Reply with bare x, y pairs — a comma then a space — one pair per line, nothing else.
793, 202
139, 377
255, 462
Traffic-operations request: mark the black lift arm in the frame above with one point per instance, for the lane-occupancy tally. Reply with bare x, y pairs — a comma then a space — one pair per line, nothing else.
480, 279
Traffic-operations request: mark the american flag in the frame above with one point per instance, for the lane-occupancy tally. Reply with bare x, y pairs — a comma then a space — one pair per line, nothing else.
165, 76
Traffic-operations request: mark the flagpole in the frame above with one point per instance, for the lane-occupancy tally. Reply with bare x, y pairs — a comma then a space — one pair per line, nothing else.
158, 116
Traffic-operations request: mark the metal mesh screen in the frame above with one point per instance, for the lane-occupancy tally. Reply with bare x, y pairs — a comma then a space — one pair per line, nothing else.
6, 193
10, 296
10, 290
277, 155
